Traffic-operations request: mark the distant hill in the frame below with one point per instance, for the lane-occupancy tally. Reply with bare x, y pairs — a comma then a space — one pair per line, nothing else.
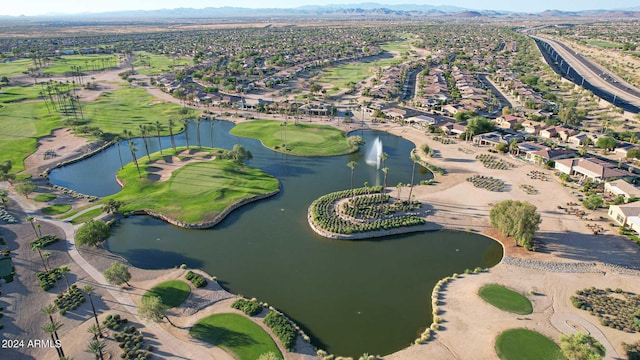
363, 10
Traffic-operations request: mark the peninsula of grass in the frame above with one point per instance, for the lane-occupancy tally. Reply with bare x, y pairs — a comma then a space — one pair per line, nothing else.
200, 190
171, 293
91, 214
56, 209
523, 344
301, 139
235, 333
506, 299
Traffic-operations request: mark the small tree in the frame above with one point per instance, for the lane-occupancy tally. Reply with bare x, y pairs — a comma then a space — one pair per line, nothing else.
25, 188
117, 274
519, 219
92, 233
581, 347
606, 143
593, 202
153, 309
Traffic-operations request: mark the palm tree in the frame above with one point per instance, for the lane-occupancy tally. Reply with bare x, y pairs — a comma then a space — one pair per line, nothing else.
172, 124
383, 157
211, 123
52, 328
414, 159
185, 122
399, 187
32, 221
49, 310
158, 128
37, 247
117, 139
385, 170
65, 270
198, 121
95, 347
366, 187
143, 131
352, 165
88, 289
513, 147
132, 147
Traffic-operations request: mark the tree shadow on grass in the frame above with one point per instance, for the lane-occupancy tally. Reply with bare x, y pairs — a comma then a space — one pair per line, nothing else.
219, 336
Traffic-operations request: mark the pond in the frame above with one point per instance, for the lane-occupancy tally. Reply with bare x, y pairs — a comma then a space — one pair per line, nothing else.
351, 297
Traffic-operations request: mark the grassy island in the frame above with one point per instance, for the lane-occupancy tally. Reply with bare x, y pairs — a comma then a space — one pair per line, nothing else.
301, 139
193, 186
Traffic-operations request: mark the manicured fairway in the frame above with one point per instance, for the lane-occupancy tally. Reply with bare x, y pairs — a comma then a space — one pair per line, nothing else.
16, 67
506, 299
302, 139
65, 64
236, 334
197, 192
19, 93
172, 293
151, 64
126, 108
523, 344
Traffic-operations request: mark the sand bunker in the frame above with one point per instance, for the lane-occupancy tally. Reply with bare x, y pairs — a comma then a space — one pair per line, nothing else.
162, 169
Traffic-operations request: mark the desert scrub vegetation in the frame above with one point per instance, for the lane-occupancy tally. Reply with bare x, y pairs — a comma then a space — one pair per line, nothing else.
617, 309
374, 210
487, 182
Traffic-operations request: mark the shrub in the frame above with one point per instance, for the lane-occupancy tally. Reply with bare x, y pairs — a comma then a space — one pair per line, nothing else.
282, 327
250, 308
196, 279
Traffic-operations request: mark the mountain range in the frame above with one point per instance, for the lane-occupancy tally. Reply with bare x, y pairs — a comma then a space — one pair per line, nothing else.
337, 10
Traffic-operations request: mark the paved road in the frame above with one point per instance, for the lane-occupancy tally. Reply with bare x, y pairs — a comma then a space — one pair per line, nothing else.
582, 71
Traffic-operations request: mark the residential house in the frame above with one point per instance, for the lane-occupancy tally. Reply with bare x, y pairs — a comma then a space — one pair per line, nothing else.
621, 187
508, 121
626, 215
594, 169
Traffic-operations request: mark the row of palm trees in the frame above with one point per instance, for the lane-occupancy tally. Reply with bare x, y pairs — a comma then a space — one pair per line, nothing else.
385, 170
146, 130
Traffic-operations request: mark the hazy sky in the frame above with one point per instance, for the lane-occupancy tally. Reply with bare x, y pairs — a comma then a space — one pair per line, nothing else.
39, 7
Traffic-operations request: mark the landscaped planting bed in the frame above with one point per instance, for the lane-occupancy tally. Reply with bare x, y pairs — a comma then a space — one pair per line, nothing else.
69, 301
486, 182
44, 241
529, 189
129, 339
49, 278
444, 140
323, 212
615, 308
492, 162
283, 328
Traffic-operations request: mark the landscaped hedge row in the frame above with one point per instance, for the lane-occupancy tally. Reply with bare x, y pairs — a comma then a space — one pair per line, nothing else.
282, 328
44, 241
196, 279
325, 217
249, 307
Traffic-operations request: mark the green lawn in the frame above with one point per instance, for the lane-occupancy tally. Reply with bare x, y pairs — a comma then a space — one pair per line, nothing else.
159, 64
506, 299
126, 108
172, 293
44, 197
523, 344
236, 334
197, 192
19, 93
56, 209
86, 216
22, 124
604, 44
14, 68
397, 46
63, 64
303, 139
